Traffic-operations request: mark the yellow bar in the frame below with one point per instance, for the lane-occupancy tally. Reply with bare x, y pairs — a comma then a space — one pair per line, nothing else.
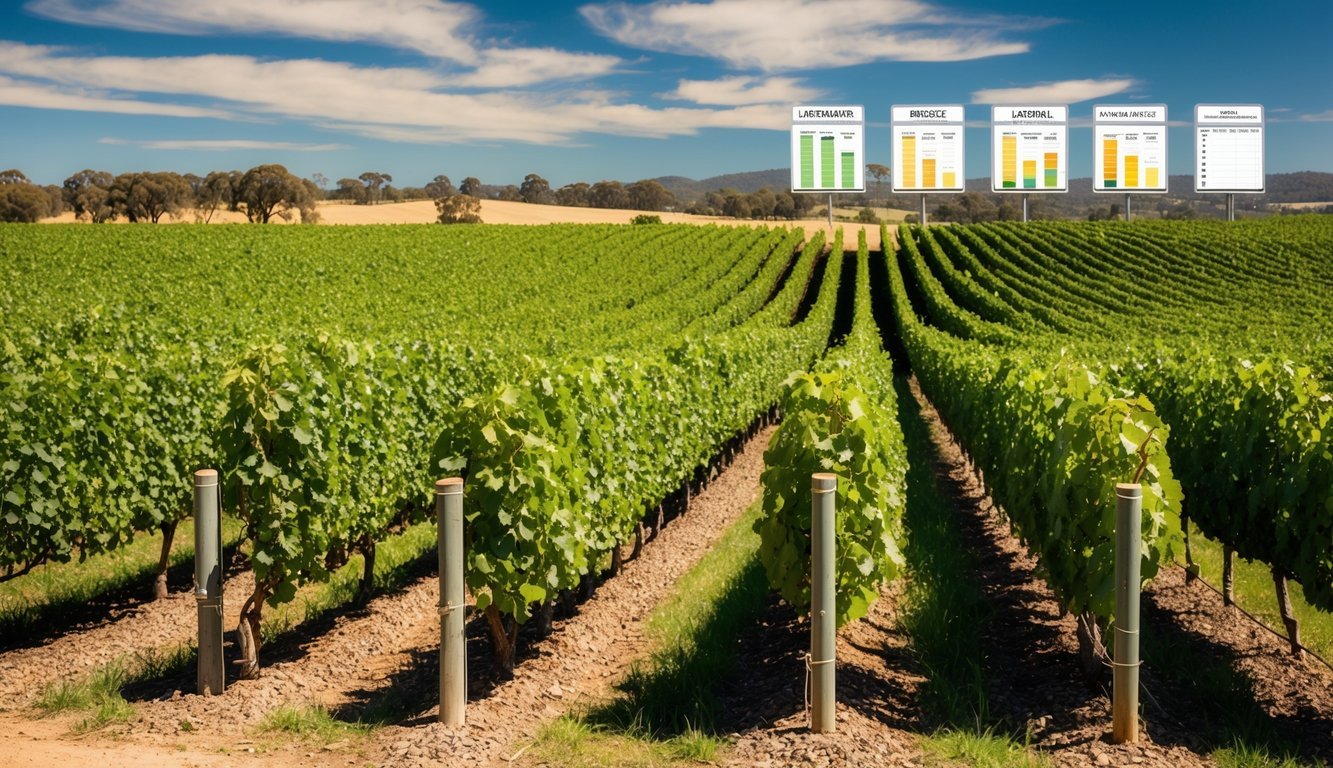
1152, 178
1052, 160
1009, 158
951, 179
928, 173
909, 162
1109, 159
1029, 169
1131, 170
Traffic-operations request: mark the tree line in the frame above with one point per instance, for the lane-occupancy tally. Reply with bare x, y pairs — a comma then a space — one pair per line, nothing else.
270, 191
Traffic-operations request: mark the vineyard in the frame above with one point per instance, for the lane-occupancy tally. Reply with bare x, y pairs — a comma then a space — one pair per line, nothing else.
607, 393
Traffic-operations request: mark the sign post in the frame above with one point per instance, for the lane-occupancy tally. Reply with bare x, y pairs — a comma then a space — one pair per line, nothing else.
1229, 150
1129, 150
828, 151
1029, 149
928, 150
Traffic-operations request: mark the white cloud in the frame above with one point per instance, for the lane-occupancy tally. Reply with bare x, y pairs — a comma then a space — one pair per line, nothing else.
432, 27
1318, 117
775, 35
518, 67
224, 145
16, 93
741, 90
1063, 92
395, 104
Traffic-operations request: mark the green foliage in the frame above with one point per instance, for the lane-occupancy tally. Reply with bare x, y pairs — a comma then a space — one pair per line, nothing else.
646, 218
1053, 439
840, 418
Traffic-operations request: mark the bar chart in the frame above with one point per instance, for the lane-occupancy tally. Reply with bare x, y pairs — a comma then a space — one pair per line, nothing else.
827, 149
928, 148
1030, 159
1129, 158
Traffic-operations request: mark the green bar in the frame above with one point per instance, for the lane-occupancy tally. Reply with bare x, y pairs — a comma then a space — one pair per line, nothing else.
1052, 178
807, 161
1109, 183
826, 162
1007, 185
1029, 182
849, 170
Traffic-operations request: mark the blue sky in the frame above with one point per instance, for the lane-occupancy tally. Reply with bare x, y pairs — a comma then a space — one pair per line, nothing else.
615, 90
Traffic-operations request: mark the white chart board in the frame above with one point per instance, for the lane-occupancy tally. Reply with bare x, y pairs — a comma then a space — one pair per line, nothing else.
828, 149
1030, 148
928, 148
1228, 148
1129, 148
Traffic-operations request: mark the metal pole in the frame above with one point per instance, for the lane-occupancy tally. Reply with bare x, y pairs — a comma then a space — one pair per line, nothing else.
453, 650
923, 209
1231, 207
1125, 684
823, 611
830, 212
211, 678
1025, 206
1126, 207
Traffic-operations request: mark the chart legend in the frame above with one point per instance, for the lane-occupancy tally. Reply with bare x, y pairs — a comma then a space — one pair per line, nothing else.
928, 148
1029, 149
828, 149
1129, 148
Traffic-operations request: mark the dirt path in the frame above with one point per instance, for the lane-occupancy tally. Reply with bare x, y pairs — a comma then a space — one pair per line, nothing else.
145, 626
588, 652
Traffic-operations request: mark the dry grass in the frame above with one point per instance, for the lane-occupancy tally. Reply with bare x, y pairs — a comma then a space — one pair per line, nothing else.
502, 212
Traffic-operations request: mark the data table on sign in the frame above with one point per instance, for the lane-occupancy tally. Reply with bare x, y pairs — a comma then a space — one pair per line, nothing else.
1230, 158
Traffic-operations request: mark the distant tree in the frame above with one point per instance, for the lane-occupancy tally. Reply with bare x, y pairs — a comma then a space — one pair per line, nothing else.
352, 190
471, 187
574, 195
87, 193
234, 185
459, 209
21, 201
321, 185
440, 186
55, 197
195, 181
150, 196
535, 189
509, 193
374, 182
784, 207
867, 216
13, 176
762, 203
649, 195
608, 194
271, 190
213, 192
737, 206
646, 218
878, 173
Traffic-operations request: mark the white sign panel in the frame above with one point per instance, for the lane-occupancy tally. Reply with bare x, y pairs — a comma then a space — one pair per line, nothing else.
1129, 148
1029, 148
928, 148
828, 149
1228, 148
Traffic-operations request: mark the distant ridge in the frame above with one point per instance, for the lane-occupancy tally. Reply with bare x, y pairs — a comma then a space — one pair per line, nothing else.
1298, 187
